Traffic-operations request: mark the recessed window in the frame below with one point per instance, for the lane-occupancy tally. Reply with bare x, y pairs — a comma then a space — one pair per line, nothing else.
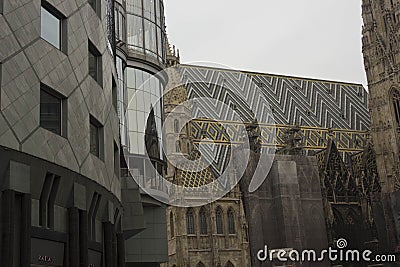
92, 214
96, 138
47, 199
171, 224
115, 94
203, 221
116, 159
95, 4
95, 68
218, 221
190, 222
51, 26
231, 222
1, 6
52, 111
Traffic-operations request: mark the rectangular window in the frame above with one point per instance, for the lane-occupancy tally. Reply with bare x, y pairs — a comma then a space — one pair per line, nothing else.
96, 138
95, 68
95, 4
51, 26
116, 160
52, 111
114, 94
47, 199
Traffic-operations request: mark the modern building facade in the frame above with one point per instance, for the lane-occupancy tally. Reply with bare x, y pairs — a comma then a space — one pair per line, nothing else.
381, 60
140, 56
60, 143
67, 69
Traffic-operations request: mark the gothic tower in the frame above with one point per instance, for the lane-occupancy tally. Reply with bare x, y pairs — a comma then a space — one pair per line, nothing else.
214, 234
382, 58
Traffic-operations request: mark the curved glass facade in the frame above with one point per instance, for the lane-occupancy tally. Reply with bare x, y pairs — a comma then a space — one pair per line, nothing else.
122, 100
144, 119
120, 23
146, 27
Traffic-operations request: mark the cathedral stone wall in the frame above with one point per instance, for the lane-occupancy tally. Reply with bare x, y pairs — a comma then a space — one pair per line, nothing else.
381, 60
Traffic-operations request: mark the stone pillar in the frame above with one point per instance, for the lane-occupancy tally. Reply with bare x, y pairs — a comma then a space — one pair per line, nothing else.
83, 238
26, 207
73, 237
109, 252
121, 250
7, 231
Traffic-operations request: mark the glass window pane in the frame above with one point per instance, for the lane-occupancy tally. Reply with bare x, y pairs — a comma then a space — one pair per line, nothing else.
134, 7
50, 28
131, 78
50, 112
149, 10
133, 141
116, 19
147, 101
159, 42
141, 143
158, 14
141, 121
93, 65
92, 3
139, 99
135, 31
94, 140
139, 79
132, 120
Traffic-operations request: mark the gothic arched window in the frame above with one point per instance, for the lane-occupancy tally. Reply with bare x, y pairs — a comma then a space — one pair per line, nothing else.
200, 264
218, 221
178, 146
190, 222
229, 264
203, 221
176, 126
231, 222
171, 224
396, 105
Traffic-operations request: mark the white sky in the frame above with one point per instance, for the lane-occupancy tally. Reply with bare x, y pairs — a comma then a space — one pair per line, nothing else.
307, 38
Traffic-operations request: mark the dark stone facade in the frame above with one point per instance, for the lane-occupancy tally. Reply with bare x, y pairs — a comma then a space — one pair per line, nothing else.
287, 210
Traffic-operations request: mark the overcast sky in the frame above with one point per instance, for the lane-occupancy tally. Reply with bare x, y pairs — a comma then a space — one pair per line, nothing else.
307, 38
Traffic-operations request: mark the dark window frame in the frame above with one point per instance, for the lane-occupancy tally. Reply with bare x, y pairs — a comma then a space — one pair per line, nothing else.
190, 227
98, 61
94, 123
116, 160
114, 92
63, 26
47, 200
63, 109
231, 222
203, 222
219, 221
96, 6
171, 224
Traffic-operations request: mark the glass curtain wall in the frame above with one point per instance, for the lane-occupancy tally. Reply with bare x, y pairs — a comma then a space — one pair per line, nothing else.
146, 27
